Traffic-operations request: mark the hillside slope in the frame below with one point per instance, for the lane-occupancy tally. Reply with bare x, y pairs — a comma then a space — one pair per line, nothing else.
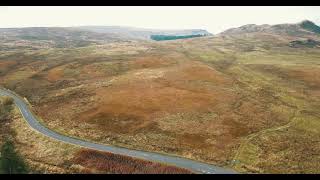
247, 100
304, 29
57, 37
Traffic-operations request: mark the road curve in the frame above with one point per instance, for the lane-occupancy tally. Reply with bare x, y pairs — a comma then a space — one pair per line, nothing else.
197, 167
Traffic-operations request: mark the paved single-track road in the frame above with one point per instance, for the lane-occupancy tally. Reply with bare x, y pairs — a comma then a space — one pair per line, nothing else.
195, 166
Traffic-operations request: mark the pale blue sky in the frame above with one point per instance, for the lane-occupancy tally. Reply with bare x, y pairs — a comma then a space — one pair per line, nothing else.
214, 19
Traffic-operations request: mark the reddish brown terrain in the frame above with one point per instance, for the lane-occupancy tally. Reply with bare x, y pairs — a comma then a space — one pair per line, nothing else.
245, 100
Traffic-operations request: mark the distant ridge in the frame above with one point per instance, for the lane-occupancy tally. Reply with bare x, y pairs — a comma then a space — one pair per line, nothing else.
68, 37
142, 33
305, 28
58, 37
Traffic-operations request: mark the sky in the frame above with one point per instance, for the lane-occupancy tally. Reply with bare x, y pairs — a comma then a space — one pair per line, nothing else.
214, 19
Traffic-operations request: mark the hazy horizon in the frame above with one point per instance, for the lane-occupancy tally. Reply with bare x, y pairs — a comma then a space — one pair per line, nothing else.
213, 19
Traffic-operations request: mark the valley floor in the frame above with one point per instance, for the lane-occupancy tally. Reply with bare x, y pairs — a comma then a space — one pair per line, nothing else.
249, 103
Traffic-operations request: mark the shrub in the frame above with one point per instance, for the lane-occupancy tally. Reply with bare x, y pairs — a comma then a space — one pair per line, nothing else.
7, 101
10, 161
5, 107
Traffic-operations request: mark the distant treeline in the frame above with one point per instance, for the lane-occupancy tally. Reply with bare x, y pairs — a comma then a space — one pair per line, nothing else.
171, 37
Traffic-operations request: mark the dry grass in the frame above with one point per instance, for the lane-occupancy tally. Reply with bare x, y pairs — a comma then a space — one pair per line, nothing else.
42, 154
198, 98
55, 74
45, 155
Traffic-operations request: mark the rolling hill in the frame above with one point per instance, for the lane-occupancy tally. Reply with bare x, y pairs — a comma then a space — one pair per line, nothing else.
304, 29
248, 98
44, 37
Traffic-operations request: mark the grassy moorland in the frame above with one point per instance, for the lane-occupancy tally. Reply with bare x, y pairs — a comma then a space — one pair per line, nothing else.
247, 101
26, 151
278, 107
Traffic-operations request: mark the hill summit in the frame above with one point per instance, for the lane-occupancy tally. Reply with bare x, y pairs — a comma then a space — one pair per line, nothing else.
309, 25
305, 28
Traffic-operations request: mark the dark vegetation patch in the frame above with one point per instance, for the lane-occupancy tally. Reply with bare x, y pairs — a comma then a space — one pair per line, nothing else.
10, 161
101, 162
309, 43
168, 37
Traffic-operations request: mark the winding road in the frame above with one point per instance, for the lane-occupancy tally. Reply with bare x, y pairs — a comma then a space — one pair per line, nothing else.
195, 166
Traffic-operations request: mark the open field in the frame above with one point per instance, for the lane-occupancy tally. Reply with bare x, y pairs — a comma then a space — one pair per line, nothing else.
40, 154
250, 102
